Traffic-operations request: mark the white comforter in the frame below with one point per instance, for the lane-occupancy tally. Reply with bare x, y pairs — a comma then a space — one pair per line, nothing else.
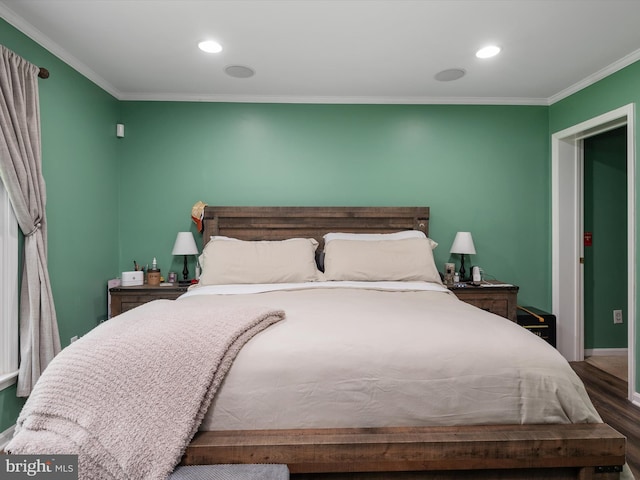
387, 355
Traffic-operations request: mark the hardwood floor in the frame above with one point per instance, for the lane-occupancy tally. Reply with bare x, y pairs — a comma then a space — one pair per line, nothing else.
609, 396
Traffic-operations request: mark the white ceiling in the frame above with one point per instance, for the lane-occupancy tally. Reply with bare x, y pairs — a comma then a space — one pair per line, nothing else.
336, 51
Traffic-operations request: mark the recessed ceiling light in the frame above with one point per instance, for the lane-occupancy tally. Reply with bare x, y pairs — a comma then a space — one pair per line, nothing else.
488, 52
239, 71
450, 74
210, 46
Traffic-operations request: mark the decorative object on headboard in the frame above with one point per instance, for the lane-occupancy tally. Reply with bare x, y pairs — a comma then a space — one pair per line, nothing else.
185, 245
463, 244
197, 214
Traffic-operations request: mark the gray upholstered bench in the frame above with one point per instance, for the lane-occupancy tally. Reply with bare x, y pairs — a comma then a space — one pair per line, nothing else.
231, 472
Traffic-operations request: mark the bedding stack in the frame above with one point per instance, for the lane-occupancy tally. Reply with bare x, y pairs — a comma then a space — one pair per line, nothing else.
374, 340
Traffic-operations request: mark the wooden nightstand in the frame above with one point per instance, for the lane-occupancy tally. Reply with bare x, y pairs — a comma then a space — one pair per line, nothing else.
490, 296
126, 298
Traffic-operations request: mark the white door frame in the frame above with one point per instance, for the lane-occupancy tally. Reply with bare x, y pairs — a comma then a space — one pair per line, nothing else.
567, 232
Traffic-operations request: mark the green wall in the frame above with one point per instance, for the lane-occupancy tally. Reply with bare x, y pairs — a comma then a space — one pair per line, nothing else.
479, 168
79, 157
605, 215
614, 91
10, 407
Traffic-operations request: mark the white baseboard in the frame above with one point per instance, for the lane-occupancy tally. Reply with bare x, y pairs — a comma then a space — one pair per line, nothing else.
593, 352
6, 436
635, 399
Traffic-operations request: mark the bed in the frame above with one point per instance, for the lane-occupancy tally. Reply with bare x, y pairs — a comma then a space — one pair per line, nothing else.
366, 368
380, 424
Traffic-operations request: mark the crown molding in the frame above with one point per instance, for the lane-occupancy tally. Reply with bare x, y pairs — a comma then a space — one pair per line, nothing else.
352, 100
596, 77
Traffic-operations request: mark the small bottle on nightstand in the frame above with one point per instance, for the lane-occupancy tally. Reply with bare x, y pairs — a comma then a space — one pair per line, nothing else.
153, 274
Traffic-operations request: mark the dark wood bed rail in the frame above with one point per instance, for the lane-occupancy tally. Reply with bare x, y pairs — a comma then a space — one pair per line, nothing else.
523, 451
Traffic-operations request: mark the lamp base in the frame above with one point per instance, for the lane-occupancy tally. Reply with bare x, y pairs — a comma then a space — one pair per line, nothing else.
184, 283
463, 272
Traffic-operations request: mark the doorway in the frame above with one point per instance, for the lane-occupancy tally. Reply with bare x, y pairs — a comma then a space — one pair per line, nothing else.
605, 251
567, 192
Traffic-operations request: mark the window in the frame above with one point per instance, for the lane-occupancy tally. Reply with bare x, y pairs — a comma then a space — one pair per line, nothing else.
8, 291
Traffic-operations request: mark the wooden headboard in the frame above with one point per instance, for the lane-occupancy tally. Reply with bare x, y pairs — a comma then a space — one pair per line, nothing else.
279, 223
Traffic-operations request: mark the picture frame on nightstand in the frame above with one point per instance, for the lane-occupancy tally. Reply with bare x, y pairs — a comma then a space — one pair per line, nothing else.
449, 271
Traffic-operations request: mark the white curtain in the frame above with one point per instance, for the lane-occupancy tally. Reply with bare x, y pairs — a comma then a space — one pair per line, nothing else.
21, 173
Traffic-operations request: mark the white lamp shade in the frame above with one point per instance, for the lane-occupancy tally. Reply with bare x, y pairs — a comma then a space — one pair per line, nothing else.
463, 243
185, 244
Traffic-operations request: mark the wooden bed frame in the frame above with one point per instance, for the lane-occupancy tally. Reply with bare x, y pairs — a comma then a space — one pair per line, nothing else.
279, 223
582, 451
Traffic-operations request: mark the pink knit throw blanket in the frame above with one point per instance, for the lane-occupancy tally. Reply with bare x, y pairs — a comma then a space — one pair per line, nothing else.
129, 396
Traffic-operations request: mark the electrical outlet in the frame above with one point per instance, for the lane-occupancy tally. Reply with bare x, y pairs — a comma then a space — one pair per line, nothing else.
73, 339
617, 316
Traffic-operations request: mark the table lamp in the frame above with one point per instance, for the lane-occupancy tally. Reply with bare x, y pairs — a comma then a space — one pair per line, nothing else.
463, 244
185, 245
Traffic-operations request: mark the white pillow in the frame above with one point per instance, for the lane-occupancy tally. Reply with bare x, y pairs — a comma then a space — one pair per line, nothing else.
222, 237
377, 236
409, 259
241, 262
